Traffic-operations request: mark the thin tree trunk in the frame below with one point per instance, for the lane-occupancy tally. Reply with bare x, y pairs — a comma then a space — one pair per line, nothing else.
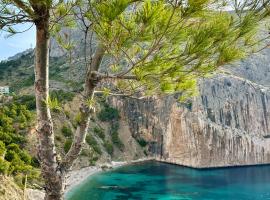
53, 172
49, 167
85, 112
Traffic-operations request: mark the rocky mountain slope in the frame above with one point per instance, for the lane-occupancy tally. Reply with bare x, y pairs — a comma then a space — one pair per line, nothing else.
227, 124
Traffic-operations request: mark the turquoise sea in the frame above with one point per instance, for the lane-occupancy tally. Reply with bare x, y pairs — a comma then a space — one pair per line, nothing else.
153, 180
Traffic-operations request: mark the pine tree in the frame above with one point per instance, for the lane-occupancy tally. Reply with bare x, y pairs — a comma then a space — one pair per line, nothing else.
154, 46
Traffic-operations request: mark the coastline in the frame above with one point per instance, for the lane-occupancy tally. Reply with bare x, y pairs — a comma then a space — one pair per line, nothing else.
76, 177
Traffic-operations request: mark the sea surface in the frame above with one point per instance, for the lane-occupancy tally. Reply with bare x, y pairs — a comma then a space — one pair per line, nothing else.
153, 180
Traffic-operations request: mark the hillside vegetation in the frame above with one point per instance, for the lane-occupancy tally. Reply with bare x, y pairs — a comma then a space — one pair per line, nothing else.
15, 121
107, 138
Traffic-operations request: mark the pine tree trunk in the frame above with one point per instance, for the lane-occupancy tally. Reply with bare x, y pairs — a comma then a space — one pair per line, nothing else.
53, 172
91, 82
50, 171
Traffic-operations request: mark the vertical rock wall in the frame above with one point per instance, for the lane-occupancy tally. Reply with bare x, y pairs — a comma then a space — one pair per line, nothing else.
228, 124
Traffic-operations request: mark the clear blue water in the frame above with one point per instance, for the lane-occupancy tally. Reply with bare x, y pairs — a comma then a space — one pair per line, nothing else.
154, 180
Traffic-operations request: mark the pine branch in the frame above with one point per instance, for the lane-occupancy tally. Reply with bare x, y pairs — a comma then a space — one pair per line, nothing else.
111, 76
25, 8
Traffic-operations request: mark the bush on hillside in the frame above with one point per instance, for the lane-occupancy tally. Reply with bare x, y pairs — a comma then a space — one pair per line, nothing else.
2, 148
142, 142
100, 132
14, 160
108, 147
4, 166
91, 141
67, 145
61, 95
116, 141
28, 100
67, 132
108, 113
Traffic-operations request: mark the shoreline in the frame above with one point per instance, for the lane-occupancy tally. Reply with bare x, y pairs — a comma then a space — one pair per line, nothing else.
76, 177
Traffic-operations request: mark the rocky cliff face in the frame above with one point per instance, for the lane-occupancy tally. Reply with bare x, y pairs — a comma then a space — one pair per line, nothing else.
228, 124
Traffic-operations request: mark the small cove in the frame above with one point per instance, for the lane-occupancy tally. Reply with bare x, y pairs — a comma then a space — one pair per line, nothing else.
155, 180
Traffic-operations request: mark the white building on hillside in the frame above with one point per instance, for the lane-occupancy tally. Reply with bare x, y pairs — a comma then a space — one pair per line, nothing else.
4, 90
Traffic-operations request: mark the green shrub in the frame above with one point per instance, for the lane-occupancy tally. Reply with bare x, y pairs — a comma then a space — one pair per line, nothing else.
92, 161
67, 145
100, 132
35, 163
67, 132
142, 142
6, 137
28, 100
4, 166
25, 157
114, 126
116, 140
22, 126
108, 113
11, 155
13, 147
2, 148
16, 160
77, 119
109, 147
91, 141
84, 152
145, 152
18, 166
67, 113
61, 95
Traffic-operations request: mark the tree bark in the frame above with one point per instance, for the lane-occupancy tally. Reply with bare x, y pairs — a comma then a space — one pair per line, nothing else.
51, 174
91, 82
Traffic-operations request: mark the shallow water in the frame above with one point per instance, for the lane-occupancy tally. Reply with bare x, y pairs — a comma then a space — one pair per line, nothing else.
154, 180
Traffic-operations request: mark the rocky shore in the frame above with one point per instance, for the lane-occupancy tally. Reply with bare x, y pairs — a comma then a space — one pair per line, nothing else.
76, 177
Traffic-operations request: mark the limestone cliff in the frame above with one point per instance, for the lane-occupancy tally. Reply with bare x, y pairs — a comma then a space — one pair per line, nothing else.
228, 124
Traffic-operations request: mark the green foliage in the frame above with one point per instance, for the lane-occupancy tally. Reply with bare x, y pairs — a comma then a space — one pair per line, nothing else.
53, 104
8, 67
116, 140
12, 140
61, 95
77, 119
114, 126
84, 152
67, 145
92, 142
4, 166
92, 160
67, 132
108, 113
11, 155
28, 100
35, 163
100, 132
25, 157
2, 148
142, 142
169, 46
108, 147
11, 116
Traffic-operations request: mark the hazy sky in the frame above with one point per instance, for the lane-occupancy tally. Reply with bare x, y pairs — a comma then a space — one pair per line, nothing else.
17, 43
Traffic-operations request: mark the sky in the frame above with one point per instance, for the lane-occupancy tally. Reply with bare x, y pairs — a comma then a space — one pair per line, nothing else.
16, 43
